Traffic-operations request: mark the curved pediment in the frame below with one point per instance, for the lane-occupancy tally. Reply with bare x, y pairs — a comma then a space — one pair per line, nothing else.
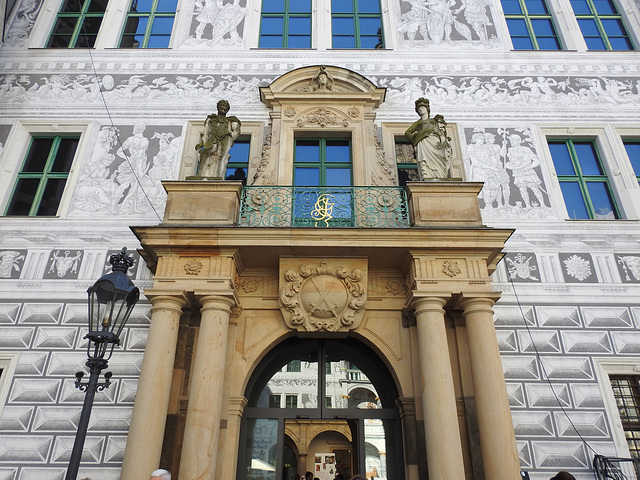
322, 82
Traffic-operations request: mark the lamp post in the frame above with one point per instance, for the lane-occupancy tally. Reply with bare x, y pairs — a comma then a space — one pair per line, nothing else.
111, 301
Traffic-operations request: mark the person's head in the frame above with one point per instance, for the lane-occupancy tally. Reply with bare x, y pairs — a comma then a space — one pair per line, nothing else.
562, 475
422, 104
161, 474
223, 107
515, 139
308, 476
139, 127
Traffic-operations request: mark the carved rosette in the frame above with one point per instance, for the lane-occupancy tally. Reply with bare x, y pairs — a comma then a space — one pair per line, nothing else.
322, 117
323, 296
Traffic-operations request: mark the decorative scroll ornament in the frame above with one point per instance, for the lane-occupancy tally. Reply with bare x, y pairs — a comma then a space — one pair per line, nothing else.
322, 117
323, 297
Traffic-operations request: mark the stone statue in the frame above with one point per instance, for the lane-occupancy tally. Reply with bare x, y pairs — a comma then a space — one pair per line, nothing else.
430, 143
322, 82
220, 132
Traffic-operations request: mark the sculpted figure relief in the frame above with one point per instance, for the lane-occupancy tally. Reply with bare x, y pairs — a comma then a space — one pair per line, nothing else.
430, 143
220, 132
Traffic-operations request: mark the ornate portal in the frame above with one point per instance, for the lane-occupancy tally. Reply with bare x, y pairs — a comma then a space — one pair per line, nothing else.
323, 294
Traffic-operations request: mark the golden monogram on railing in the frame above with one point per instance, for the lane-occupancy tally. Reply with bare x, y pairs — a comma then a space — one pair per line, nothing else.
323, 209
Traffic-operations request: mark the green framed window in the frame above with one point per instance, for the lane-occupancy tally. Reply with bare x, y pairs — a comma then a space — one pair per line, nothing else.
294, 366
601, 25
77, 24
626, 390
291, 401
530, 25
274, 401
356, 24
322, 162
583, 180
149, 24
405, 162
43, 176
238, 160
633, 152
285, 24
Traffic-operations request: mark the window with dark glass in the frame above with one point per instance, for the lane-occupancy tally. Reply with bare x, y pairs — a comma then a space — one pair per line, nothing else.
149, 24
583, 180
633, 152
77, 24
293, 366
530, 25
42, 178
626, 390
285, 24
405, 162
274, 401
291, 401
601, 25
356, 24
238, 164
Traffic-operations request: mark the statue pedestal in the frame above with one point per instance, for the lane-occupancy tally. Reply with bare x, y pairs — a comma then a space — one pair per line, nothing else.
202, 203
444, 203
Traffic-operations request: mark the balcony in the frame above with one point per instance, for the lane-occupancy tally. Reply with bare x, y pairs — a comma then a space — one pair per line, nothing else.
334, 207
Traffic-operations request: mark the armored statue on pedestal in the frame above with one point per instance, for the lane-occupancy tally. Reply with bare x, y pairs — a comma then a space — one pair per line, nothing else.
219, 134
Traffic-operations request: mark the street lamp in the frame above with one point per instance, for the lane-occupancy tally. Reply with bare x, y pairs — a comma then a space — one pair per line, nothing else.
111, 301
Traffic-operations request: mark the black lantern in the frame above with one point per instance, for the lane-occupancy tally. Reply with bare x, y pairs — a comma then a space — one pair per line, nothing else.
111, 301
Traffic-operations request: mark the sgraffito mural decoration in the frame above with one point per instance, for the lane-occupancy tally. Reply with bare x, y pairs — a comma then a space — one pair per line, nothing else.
123, 175
578, 268
522, 267
11, 263
506, 160
64, 264
217, 23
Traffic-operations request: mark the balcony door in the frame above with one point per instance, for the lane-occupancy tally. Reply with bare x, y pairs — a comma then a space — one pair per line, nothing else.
320, 165
325, 406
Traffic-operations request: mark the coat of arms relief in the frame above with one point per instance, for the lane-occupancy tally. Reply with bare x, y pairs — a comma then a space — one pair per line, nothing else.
323, 294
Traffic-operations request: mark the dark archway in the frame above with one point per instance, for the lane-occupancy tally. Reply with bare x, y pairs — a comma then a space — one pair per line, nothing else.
314, 384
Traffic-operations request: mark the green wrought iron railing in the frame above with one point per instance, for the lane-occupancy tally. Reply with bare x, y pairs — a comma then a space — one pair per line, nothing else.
334, 207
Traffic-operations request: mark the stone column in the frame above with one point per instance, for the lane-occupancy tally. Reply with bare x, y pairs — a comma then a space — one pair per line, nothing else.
146, 433
497, 439
442, 430
202, 427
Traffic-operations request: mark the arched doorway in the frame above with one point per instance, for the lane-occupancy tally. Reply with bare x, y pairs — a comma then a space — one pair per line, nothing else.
323, 405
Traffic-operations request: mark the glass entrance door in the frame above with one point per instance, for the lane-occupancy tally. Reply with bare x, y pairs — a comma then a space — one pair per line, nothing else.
325, 406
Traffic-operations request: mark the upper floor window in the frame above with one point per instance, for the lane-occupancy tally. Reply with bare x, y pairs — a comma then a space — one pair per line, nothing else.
322, 162
149, 24
626, 390
601, 25
356, 24
238, 163
633, 152
285, 24
583, 181
530, 25
77, 24
43, 175
406, 162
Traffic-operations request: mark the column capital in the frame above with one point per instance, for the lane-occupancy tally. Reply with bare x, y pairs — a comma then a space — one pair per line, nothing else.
426, 304
477, 304
162, 301
216, 302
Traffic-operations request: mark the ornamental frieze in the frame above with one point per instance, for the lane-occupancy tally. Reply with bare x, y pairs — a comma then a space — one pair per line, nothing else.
323, 294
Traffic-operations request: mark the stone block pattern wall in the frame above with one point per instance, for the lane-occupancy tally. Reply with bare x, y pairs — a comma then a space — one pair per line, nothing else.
39, 419
548, 354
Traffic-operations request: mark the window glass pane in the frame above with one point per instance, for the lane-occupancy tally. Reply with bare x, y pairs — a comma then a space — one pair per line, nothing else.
548, 43
349, 387
614, 27
158, 41
369, 6
272, 25
601, 201
23, 196
338, 151
604, 7
72, 6
239, 151
64, 156
536, 7
167, 6
162, 25
306, 176
561, 158
369, 26
299, 25
342, 26
299, 41
580, 7
305, 392
517, 26
236, 173
375, 440
97, 6
307, 150
588, 27
274, 41
142, 5
542, 27
91, 25
338, 177
633, 151
574, 201
300, 6
260, 449
51, 197
587, 158
620, 43
273, 6
595, 43
344, 42
511, 7
522, 43
38, 154
342, 6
